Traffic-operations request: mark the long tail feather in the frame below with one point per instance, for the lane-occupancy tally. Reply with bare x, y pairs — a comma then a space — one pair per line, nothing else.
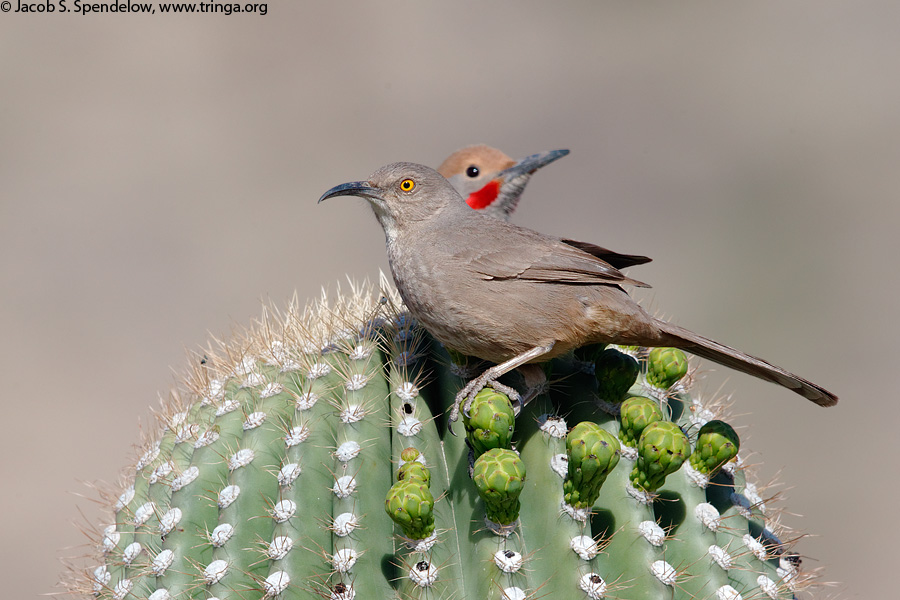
745, 363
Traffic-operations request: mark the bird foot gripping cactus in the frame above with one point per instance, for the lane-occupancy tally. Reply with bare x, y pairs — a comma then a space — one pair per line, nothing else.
310, 459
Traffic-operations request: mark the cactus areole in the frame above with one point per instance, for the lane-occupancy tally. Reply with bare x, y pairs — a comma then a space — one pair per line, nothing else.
310, 459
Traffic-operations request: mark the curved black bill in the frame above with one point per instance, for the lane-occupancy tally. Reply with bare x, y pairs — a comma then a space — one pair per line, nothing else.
532, 163
353, 188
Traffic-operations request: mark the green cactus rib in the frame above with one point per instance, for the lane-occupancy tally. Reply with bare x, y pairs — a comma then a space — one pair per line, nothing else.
270, 479
757, 556
414, 425
362, 474
494, 566
690, 520
189, 485
305, 429
578, 562
629, 556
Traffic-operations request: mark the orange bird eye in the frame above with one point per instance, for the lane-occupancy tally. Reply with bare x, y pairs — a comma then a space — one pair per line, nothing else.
407, 185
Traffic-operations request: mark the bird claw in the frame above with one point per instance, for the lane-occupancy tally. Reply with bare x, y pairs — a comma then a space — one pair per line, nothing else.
514, 397
466, 396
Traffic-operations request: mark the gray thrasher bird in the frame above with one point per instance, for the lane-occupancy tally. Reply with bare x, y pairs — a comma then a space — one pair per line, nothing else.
492, 182
512, 296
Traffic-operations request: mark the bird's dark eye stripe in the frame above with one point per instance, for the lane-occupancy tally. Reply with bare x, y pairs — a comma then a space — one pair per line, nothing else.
472, 171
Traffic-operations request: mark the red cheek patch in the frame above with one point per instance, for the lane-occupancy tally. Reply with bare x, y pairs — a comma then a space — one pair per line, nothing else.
484, 196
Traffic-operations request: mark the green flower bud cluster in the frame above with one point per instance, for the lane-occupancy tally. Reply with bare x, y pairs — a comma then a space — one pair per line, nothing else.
662, 448
592, 452
666, 367
636, 413
499, 477
409, 502
412, 468
490, 423
717, 443
616, 372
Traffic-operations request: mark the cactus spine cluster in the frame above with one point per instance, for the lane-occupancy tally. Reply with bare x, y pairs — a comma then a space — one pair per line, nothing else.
311, 459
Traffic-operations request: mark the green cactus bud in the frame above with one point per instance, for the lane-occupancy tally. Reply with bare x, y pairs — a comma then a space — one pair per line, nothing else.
409, 455
412, 467
592, 452
490, 422
662, 449
411, 506
665, 367
717, 443
414, 471
636, 413
616, 372
499, 477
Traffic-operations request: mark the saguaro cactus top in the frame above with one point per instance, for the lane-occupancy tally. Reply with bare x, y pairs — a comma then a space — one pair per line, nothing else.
310, 458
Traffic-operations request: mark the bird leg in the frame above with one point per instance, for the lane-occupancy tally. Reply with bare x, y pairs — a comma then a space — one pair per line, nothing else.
535, 384
489, 377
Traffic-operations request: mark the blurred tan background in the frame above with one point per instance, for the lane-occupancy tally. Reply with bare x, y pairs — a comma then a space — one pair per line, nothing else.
158, 179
